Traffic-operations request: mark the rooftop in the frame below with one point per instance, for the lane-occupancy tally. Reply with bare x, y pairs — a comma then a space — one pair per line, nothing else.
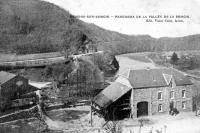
111, 94
157, 77
5, 76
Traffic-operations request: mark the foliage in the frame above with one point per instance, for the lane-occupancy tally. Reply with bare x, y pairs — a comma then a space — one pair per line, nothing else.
87, 72
35, 26
58, 72
188, 62
84, 72
74, 40
106, 62
174, 58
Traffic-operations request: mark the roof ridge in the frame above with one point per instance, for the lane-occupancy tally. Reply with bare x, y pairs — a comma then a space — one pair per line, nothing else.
125, 82
128, 76
124, 74
5, 76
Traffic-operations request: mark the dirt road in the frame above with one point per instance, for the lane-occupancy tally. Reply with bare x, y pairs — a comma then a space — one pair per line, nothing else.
182, 123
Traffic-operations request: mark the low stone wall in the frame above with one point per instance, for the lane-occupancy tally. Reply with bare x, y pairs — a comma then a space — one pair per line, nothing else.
24, 114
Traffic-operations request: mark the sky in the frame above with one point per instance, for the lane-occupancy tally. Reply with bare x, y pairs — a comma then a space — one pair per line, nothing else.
138, 26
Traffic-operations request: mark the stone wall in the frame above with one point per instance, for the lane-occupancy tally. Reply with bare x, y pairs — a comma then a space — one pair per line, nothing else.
24, 114
150, 95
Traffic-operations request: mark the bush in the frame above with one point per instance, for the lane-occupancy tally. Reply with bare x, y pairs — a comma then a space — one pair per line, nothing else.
174, 58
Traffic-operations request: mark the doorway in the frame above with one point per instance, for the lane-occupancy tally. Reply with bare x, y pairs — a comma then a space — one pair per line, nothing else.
142, 109
171, 105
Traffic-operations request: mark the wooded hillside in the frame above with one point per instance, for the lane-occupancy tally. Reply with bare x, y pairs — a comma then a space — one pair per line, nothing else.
34, 26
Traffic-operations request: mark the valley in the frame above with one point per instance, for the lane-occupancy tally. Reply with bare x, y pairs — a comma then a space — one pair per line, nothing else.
43, 43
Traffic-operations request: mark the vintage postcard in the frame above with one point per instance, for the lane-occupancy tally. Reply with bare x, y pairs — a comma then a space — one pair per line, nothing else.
99, 66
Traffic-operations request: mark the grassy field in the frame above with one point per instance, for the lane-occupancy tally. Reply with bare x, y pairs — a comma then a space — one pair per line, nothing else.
137, 57
76, 119
133, 61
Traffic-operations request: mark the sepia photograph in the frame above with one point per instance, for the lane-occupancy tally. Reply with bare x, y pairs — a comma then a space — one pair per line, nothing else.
99, 66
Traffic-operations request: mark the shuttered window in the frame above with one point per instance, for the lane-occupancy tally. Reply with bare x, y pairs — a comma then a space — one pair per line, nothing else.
183, 94
160, 107
159, 95
171, 95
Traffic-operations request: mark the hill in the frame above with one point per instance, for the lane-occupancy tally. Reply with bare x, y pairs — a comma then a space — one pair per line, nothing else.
149, 44
36, 26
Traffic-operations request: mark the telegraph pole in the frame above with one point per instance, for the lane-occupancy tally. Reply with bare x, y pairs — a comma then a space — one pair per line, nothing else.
91, 120
131, 103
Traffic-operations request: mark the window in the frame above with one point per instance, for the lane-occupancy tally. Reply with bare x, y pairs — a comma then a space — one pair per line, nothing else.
171, 95
160, 108
183, 93
159, 95
184, 105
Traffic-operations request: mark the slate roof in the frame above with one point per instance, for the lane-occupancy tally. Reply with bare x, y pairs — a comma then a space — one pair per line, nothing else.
5, 76
180, 78
145, 78
157, 77
111, 94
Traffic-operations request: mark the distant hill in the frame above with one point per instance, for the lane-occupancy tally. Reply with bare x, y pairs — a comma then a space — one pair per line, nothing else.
33, 26
149, 44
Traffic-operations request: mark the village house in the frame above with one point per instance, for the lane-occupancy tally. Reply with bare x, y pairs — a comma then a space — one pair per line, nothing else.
142, 92
13, 87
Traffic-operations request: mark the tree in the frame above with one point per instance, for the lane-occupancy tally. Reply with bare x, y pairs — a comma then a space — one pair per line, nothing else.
174, 58
74, 41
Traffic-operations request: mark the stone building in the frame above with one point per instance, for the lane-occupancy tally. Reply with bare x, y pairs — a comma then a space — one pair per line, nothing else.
145, 92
